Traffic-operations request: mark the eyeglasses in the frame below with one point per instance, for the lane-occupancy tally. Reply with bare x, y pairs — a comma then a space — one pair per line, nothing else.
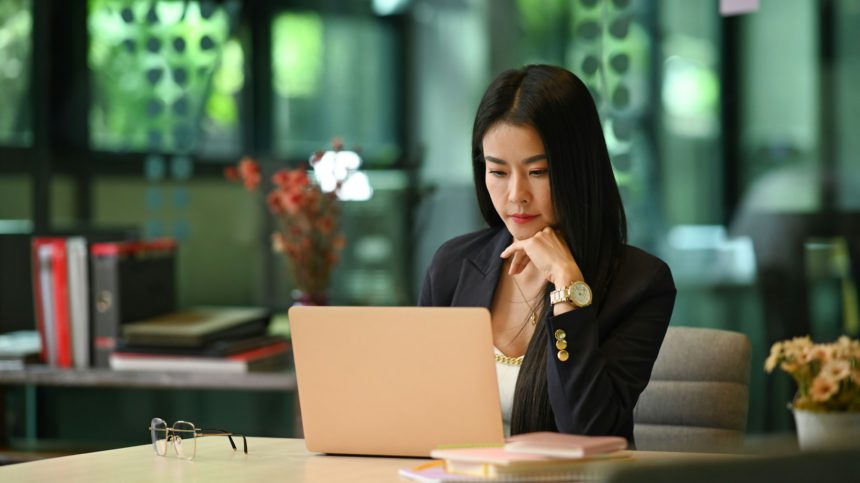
184, 437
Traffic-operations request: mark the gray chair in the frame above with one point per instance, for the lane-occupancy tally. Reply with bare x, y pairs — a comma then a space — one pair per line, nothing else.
698, 396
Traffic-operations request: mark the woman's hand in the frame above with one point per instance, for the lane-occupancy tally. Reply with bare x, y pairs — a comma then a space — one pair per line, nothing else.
550, 254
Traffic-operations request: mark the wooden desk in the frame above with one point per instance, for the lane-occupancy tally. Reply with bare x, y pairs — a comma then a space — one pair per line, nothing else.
268, 459
41, 376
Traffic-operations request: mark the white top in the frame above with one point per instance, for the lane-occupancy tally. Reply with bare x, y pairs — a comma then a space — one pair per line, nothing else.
507, 377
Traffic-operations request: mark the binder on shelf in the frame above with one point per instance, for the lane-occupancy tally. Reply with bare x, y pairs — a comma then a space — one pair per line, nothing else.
51, 302
130, 281
43, 259
60, 280
19, 277
79, 303
16, 277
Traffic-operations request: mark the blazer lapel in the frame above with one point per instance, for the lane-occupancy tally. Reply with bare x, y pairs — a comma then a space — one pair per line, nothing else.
479, 273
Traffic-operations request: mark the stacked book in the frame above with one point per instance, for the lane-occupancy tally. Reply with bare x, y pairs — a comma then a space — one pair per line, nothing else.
202, 339
19, 348
542, 456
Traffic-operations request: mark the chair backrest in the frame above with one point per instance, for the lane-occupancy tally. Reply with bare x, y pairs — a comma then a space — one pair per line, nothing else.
698, 396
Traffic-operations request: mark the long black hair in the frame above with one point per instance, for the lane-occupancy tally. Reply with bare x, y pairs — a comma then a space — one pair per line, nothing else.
588, 208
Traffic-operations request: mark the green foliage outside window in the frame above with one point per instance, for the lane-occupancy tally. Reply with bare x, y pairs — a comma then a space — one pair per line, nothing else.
298, 53
335, 75
16, 25
165, 75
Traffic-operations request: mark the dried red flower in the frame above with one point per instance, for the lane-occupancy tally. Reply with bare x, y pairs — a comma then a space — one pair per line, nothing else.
231, 173
249, 173
308, 221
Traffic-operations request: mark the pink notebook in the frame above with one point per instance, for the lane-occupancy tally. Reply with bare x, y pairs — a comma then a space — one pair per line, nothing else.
560, 445
497, 462
492, 456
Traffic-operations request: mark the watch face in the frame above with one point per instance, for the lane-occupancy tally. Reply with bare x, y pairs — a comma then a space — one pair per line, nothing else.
581, 294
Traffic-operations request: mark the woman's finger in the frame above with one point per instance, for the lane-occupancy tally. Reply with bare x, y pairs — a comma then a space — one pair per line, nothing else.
519, 263
513, 247
519, 259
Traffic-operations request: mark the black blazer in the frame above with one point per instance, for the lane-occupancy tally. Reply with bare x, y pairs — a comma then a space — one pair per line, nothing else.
612, 351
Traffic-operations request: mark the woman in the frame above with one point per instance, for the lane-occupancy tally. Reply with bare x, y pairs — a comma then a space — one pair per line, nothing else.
578, 316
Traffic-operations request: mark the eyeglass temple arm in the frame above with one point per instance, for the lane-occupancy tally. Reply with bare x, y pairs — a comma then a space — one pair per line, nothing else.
221, 432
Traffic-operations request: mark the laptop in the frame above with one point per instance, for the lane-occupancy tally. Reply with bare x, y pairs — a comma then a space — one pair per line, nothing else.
395, 381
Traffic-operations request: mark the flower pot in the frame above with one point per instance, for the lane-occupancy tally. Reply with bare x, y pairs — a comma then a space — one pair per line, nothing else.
817, 430
306, 298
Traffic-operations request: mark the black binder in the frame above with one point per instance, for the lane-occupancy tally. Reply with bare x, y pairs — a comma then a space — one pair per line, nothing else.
130, 281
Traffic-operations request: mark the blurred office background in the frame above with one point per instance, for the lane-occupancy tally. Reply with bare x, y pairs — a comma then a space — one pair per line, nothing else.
732, 140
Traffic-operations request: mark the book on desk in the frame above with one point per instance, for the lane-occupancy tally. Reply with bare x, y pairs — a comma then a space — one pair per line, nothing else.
538, 456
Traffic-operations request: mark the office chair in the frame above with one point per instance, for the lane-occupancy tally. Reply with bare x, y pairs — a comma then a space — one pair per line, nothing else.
698, 396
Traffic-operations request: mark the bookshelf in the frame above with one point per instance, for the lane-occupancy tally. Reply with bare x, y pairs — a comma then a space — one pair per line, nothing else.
46, 376
43, 376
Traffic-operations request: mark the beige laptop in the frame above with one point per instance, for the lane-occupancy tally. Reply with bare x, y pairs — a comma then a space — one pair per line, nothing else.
395, 381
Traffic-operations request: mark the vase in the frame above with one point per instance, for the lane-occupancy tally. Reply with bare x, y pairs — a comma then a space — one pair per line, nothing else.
816, 430
300, 297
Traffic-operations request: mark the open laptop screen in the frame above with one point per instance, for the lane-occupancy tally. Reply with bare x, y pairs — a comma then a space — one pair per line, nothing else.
395, 380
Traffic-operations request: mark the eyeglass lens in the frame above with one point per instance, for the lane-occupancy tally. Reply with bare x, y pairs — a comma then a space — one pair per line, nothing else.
158, 431
184, 438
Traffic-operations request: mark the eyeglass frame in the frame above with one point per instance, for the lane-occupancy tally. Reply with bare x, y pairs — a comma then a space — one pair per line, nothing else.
171, 433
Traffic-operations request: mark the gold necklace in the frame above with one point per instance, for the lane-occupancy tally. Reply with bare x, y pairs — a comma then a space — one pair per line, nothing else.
510, 361
532, 308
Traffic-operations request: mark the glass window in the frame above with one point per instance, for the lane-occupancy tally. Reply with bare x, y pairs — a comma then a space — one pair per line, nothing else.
16, 26
166, 76
847, 107
335, 75
610, 47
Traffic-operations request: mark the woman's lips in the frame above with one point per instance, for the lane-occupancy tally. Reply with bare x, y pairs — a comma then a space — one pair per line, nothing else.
523, 218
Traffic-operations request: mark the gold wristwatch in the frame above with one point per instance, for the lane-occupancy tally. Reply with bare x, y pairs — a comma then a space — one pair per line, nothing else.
578, 293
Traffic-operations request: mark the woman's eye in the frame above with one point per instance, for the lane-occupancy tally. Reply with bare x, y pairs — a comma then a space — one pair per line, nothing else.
497, 174
536, 173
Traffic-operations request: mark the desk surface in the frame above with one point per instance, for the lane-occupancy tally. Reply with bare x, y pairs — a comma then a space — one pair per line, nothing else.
268, 459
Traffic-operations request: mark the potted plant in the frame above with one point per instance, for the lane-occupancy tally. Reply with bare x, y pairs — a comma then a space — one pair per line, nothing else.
308, 225
827, 404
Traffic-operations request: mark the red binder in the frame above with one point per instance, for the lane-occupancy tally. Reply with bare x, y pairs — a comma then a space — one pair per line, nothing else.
51, 300
61, 303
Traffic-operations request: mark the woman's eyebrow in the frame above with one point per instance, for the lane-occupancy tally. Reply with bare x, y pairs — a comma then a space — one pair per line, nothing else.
530, 159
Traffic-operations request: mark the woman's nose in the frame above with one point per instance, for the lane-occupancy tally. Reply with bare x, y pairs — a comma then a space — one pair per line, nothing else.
518, 192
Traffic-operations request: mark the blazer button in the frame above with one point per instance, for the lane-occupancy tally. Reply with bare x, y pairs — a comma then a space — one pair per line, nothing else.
563, 355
